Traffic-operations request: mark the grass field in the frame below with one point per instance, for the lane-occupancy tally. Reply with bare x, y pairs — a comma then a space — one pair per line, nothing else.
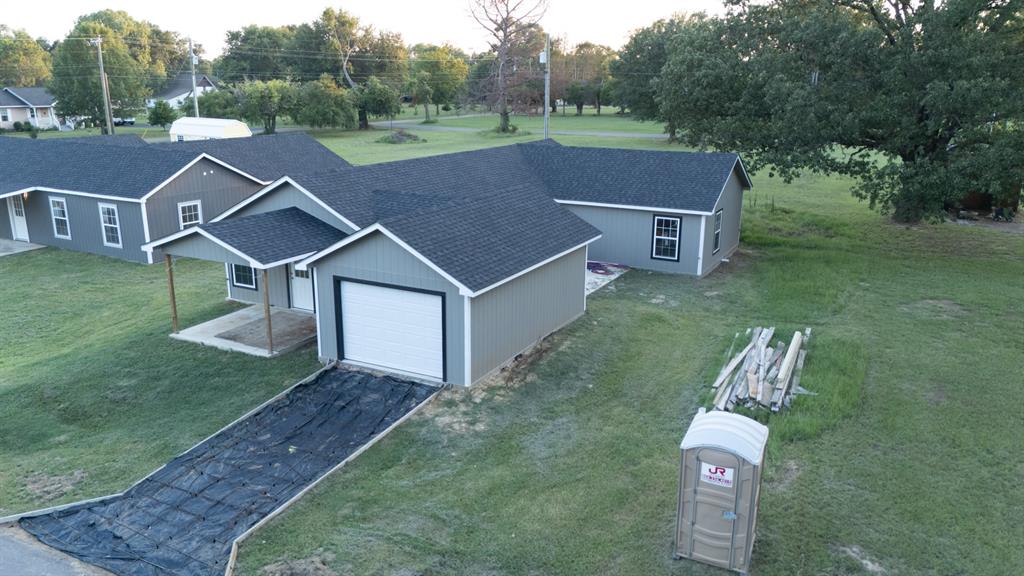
142, 131
909, 458
93, 394
590, 121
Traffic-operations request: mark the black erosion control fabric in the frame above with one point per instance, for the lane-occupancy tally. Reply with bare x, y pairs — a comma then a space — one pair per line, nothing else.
183, 518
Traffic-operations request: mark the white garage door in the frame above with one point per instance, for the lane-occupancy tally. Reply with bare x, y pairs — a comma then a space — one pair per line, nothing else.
392, 328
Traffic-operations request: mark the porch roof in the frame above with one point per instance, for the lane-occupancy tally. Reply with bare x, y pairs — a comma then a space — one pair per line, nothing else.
264, 240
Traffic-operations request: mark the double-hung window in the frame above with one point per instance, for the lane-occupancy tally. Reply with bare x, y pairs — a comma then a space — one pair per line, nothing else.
665, 244
111, 225
59, 214
190, 214
718, 231
243, 276
5, 115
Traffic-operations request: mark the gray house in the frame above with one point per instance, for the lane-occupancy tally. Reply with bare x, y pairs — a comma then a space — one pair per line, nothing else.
448, 267
111, 195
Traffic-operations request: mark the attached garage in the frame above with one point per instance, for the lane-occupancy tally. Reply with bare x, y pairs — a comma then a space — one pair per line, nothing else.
391, 327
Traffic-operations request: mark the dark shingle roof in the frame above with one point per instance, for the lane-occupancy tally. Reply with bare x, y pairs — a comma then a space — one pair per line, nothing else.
113, 140
657, 179
35, 96
266, 157
122, 171
275, 236
482, 239
7, 100
182, 84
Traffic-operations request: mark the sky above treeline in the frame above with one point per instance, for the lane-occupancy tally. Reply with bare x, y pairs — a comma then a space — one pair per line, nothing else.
430, 21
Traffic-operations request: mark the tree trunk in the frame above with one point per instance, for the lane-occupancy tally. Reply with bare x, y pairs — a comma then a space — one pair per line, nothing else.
364, 121
579, 109
503, 123
437, 109
426, 111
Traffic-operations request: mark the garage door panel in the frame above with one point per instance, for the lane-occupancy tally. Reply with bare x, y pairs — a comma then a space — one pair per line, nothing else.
392, 328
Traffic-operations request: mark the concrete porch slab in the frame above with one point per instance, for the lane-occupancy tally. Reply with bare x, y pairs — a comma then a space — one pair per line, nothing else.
8, 247
601, 273
245, 331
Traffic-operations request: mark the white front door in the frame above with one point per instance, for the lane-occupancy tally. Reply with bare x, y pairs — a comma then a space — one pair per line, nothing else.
392, 328
302, 288
19, 225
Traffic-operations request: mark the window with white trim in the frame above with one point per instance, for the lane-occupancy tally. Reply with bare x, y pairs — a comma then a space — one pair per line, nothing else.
59, 214
243, 276
5, 115
665, 244
111, 225
718, 231
190, 214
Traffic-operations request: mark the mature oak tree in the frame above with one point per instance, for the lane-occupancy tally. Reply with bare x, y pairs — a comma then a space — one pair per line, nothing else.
919, 101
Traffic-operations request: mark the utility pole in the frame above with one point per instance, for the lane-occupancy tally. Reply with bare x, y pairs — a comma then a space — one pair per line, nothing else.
546, 60
98, 42
195, 95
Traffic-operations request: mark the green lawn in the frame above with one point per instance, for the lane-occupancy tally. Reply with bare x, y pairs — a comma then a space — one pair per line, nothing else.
93, 394
607, 121
908, 458
144, 132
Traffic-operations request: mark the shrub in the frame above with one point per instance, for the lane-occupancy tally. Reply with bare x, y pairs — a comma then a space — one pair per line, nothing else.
18, 126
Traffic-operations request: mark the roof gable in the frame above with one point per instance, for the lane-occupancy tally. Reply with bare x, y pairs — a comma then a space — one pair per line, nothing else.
35, 96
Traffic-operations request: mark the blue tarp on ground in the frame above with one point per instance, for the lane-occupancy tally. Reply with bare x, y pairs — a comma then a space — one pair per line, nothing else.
183, 518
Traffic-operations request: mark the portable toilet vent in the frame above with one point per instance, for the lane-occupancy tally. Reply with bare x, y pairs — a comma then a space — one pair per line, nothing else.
719, 487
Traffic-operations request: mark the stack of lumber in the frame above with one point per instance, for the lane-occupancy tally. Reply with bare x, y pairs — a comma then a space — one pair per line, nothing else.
762, 375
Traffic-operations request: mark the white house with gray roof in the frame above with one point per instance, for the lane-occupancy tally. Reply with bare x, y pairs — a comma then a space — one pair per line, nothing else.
447, 267
34, 106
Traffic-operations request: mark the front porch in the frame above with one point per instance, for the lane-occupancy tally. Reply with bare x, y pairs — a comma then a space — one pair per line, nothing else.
245, 331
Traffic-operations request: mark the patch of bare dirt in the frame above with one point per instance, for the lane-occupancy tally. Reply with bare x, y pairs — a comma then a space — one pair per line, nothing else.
314, 566
456, 409
47, 487
790, 471
937, 396
870, 565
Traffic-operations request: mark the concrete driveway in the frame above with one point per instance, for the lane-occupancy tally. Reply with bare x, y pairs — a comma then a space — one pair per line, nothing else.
184, 518
23, 555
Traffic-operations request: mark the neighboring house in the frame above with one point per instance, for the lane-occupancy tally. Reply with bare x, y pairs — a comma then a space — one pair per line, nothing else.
180, 87
112, 195
189, 128
447, 267
33, 106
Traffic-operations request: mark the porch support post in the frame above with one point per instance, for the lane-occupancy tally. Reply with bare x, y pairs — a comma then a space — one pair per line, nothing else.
266, 312
170, 289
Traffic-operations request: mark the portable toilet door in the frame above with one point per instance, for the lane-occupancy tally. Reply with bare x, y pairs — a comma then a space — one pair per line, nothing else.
719, 488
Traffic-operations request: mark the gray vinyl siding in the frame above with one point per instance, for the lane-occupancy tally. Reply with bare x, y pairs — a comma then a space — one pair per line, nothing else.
278, 279
731, 204
510, 318
6, 226
287, 196
376, 258
216, 186
196, 246
626, 237
84, 221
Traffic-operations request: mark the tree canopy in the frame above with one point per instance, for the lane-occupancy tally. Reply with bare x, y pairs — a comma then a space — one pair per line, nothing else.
913, 99
23, 61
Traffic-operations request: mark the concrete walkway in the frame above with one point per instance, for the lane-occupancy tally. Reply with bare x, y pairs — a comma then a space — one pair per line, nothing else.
8, 247
22, 554
245, 331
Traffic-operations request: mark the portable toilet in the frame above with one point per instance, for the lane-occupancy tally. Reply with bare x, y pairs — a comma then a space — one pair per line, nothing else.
719, 487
